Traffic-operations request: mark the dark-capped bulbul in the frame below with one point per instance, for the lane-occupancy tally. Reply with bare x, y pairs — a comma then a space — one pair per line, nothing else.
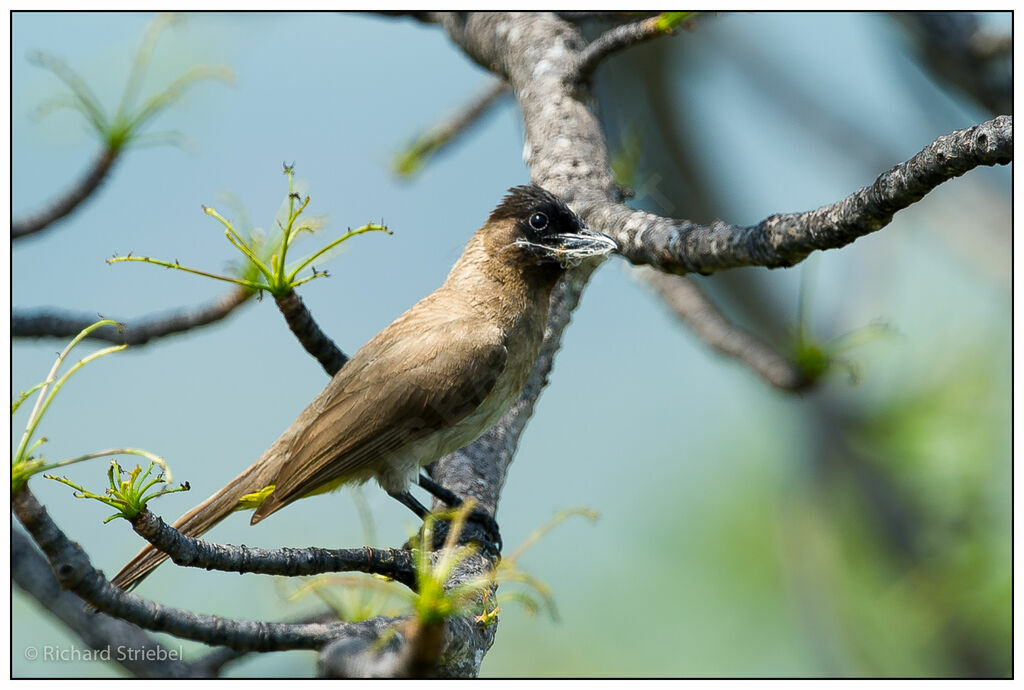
433, 381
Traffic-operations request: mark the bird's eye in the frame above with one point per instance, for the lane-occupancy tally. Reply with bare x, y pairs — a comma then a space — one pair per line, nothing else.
538, 221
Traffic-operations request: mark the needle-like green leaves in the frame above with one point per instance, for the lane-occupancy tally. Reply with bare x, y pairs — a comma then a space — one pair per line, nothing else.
265, 265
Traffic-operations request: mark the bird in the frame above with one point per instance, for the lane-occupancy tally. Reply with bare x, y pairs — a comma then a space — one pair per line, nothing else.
431, 382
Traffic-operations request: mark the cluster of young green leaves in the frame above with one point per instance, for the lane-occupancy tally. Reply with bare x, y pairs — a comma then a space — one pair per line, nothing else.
667, 21
130, 496
265, 265
124, 127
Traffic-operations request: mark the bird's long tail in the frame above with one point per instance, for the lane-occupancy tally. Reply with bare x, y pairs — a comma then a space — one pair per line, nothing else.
195, 522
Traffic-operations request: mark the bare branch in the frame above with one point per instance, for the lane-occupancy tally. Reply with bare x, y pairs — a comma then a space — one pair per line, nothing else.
681, 246
439, 137
196, 553
712, 326
70, 201
75, 573
31, 572
612, 41
315, 341
50, 324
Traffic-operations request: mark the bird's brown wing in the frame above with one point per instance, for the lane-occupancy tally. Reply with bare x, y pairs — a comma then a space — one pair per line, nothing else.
397, 394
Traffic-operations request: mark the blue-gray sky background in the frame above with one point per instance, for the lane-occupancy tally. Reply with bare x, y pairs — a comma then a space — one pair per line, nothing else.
696, 466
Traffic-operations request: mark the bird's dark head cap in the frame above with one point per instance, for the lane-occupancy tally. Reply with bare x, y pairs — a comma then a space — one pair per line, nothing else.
547, 229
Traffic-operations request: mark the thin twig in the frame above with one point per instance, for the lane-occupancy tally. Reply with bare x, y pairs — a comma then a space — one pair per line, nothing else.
196, 553
612, 41
305, 328
44, 323
685, 298
89, 183
444, 134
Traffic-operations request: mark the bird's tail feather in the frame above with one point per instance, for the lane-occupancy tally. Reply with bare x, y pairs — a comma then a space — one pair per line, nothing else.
204, 516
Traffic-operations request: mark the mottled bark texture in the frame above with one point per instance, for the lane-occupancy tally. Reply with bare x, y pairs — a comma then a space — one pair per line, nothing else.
196, 553
681, 246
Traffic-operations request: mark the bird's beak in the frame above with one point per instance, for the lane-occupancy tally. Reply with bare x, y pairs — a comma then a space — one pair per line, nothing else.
571, 249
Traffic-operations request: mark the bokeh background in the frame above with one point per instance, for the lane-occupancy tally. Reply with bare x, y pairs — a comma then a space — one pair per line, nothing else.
860, 529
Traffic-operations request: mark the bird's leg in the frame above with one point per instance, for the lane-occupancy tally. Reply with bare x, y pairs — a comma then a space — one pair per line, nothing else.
410, 502
485, 520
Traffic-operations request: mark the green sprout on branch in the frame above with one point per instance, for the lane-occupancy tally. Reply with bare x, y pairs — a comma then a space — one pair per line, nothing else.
265, 266
128, 496
125, 125
433, 601
815, 357
24, 464
668, 21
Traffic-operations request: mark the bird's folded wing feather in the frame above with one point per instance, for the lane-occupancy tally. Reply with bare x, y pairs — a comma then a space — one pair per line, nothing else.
396, 394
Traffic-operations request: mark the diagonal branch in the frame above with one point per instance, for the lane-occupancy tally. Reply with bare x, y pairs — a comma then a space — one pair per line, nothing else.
612, 41
44, 323
314, 340
89, 183
682, 246
31, 572
685, 298
442, 135
75, 573
196, 553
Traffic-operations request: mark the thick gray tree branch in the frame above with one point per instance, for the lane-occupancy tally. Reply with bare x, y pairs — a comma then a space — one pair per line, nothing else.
43, 323
712, 326
60, 208
681, 246
566, 152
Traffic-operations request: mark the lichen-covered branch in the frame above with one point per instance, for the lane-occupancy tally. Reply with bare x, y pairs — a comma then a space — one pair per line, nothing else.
89, 183
196, 553
682, 246
44, 323
314, 340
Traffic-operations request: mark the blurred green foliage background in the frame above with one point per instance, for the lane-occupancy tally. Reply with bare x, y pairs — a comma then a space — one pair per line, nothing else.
860, 529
